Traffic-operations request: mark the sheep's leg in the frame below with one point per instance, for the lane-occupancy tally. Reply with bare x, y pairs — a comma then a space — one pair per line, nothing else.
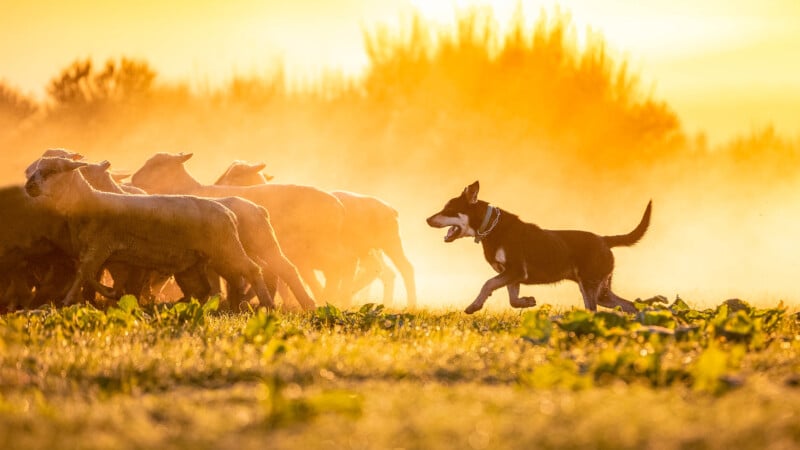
237, 291
272, 280
287, 272
137, 283
90, 263
393, 248
310, 278
256, 279
283, 293
213, 281
95, 285
387, 277
55, 283
251, 272
368, 270
193, 282
347, 272
89, 293
372, 266
102, 289
276, 286
127, 279
73, 290
336, 271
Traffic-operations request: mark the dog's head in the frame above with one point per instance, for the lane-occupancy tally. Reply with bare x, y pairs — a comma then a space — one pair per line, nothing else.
459, 213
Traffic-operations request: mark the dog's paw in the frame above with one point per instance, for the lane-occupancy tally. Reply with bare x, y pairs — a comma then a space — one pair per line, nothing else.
523, 302
473, 308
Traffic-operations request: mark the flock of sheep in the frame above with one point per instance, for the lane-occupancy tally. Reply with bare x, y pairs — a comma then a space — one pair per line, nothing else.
74, 231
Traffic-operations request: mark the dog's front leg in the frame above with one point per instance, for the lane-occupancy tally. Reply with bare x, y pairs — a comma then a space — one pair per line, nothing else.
491, 284
517, 301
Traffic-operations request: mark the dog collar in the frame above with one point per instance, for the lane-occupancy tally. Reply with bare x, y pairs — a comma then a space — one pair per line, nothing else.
485, 228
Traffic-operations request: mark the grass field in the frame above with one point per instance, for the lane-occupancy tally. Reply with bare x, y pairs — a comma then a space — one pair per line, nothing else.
186, 376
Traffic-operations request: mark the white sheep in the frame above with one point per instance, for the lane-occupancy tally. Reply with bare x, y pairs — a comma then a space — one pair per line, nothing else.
255, 232
52, 153
34, 242
307, 221
370, 227
36, 261
174, 234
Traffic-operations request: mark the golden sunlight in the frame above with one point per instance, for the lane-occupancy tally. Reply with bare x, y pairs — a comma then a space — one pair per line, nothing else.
748, 48
408, 100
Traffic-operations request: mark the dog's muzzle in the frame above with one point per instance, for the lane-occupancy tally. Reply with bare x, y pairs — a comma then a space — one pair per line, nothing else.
453, 233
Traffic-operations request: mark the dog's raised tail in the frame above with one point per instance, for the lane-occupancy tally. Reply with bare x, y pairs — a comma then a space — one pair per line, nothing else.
624, 240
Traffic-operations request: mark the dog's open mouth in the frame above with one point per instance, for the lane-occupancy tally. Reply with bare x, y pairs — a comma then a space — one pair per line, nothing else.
452, 233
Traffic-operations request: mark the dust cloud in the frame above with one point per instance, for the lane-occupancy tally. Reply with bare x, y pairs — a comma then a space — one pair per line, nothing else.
560, 134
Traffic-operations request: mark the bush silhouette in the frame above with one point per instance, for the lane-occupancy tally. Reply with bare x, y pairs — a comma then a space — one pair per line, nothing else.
14, 106
80, 85
534, 84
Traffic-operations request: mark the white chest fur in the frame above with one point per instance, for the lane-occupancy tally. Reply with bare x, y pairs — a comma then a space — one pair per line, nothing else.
499, 263
500, 255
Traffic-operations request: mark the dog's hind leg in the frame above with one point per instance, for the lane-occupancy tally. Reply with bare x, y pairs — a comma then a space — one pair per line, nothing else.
590, 290
611, 300
517, 301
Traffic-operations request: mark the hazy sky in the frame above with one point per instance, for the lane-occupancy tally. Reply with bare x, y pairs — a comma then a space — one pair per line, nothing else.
726, 66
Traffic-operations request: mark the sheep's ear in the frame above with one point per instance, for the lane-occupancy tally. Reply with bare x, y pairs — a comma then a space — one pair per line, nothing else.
76, 156
32, 168
183, 157
72, 165
471, 192
258, 167
267, 177
104, 164
119, 176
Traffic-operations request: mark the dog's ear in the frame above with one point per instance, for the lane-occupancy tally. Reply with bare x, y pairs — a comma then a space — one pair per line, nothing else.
471, 192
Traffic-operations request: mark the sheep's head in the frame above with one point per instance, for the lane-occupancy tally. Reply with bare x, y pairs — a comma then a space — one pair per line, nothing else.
49, 174
162, 173
98, 176
53, 153
241, 173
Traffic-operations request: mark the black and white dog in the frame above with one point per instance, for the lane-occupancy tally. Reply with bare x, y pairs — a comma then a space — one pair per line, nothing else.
523, 253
